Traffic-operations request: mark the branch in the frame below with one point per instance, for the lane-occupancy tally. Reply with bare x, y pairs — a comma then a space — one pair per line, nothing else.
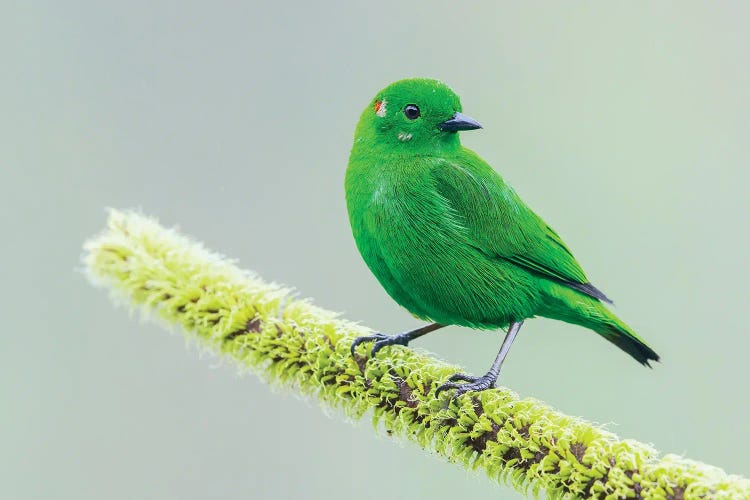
291, 342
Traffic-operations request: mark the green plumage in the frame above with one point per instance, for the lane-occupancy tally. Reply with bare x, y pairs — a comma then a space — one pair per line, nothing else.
447, 238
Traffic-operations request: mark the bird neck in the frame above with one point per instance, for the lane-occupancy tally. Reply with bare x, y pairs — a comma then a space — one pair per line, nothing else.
367, 145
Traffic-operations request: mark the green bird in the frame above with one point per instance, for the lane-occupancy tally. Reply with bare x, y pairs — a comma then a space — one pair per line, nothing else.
450, 240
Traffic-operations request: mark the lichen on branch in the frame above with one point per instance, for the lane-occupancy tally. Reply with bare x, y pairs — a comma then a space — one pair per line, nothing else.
288, 341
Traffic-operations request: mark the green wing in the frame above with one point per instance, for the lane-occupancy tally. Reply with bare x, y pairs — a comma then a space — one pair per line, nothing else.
500, 225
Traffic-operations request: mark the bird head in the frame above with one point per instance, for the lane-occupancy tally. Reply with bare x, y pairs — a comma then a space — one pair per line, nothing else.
413, 114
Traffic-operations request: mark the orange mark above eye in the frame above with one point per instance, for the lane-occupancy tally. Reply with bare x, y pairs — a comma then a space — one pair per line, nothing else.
380, 108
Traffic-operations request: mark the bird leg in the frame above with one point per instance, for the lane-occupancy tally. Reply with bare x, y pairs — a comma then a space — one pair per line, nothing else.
381, 340
487, 380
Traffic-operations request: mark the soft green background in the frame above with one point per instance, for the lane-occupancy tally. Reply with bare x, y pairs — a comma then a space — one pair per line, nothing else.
625, 124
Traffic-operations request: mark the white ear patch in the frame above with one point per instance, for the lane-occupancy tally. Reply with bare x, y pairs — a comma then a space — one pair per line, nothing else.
404, 137
380, 108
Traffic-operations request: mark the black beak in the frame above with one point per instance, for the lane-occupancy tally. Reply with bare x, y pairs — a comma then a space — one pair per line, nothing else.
459, 122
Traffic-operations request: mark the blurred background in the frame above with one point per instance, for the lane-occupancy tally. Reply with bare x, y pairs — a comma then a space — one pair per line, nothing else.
624, 125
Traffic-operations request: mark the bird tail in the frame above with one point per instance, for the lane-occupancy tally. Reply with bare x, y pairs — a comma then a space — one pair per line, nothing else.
616, 331
573, 307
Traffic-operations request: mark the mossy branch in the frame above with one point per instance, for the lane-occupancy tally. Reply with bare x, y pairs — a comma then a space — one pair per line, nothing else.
291, 342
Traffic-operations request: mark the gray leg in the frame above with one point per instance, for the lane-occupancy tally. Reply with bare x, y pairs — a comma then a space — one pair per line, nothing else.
381, 340
487, 380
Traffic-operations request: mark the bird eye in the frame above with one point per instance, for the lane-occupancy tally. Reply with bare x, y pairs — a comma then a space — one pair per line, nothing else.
411, 111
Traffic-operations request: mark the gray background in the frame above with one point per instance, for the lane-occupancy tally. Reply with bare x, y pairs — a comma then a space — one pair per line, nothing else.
625, 125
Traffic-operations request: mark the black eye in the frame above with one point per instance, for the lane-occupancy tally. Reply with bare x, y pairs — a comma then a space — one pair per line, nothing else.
411, 111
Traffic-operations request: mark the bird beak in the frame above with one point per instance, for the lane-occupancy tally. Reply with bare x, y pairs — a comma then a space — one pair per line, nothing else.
459, 122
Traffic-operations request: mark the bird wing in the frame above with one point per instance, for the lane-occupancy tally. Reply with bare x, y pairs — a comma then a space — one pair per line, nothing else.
500, 225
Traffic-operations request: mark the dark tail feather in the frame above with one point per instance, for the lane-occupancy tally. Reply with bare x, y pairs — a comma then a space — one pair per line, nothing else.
612, 328
630, 343
620, 334
569, 305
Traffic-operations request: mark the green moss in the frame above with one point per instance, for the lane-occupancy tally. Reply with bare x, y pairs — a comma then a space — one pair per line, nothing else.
292, 343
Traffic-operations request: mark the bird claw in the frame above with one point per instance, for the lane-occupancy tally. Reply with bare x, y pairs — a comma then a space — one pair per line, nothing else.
473, 384
381, 340
462, 377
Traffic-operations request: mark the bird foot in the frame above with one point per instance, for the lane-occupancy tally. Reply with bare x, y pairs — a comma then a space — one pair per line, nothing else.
473, 384
381, 340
